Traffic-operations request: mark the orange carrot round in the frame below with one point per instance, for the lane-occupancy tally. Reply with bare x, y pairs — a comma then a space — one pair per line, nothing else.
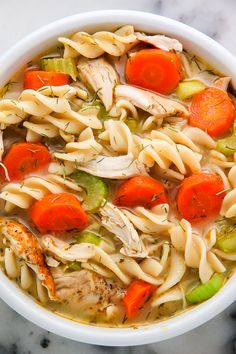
212, 111
58, 212
138, 292
140, 191
154, 69
25, 158
35, 79
200, 196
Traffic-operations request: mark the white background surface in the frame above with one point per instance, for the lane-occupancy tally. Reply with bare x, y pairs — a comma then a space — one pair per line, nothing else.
20, 17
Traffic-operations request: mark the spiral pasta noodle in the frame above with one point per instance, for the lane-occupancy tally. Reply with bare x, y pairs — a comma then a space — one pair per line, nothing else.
228, 208
175, 272
196, 249
148, 272
120, 138
155, 121
151, 122
174, 136
27, 279
164, 153
23, 194
123, 109
92, 46
174, 294
150, 221
190, 137
218, 159
159, 149
83, 150
51, 112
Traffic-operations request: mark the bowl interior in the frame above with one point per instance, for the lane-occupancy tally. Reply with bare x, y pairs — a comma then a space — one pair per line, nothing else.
37, 43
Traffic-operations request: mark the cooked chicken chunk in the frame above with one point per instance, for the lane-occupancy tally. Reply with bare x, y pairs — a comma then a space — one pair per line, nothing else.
115, 167
115, 221
160, 41
74, 286
100, 76
26, 246
151, 102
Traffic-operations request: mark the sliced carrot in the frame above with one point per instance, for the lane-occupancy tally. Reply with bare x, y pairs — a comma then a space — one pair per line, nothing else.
35, 79
212, 111
58, 212
138, 292
141, 190
200, 196
25, 158
154, 69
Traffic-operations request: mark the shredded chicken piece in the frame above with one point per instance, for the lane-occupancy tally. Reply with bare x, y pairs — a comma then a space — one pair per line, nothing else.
74, 286
160, 41
101, 76
117, 167
26, 246
115, 221
151, 102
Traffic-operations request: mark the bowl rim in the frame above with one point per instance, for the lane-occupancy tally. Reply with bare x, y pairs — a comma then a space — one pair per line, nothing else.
26, 306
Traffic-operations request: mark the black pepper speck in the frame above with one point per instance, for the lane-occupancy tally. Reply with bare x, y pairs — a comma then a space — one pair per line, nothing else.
45, 343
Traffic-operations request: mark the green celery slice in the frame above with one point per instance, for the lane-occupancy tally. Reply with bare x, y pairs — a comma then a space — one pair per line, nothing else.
187, 89
60, 65
227, 145
205, 291
74, 266
88, 237
227, 243
132, 124
95, 187
102, 114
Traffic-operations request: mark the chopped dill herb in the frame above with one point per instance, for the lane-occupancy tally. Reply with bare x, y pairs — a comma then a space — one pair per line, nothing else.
179, 223
223, 191
124, 319
101, 160
154, 197
93, 147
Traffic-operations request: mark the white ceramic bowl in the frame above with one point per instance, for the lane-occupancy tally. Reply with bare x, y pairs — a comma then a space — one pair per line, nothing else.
23, 52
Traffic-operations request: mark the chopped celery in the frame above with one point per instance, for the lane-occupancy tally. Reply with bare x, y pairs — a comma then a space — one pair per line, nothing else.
186, 89
206, 291
88, 237
227, 145
61, 65
103, 115
227, 243
73, 266
95, 188
132, 124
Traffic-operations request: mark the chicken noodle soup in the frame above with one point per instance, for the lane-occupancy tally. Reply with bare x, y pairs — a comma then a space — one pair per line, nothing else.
118, 175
